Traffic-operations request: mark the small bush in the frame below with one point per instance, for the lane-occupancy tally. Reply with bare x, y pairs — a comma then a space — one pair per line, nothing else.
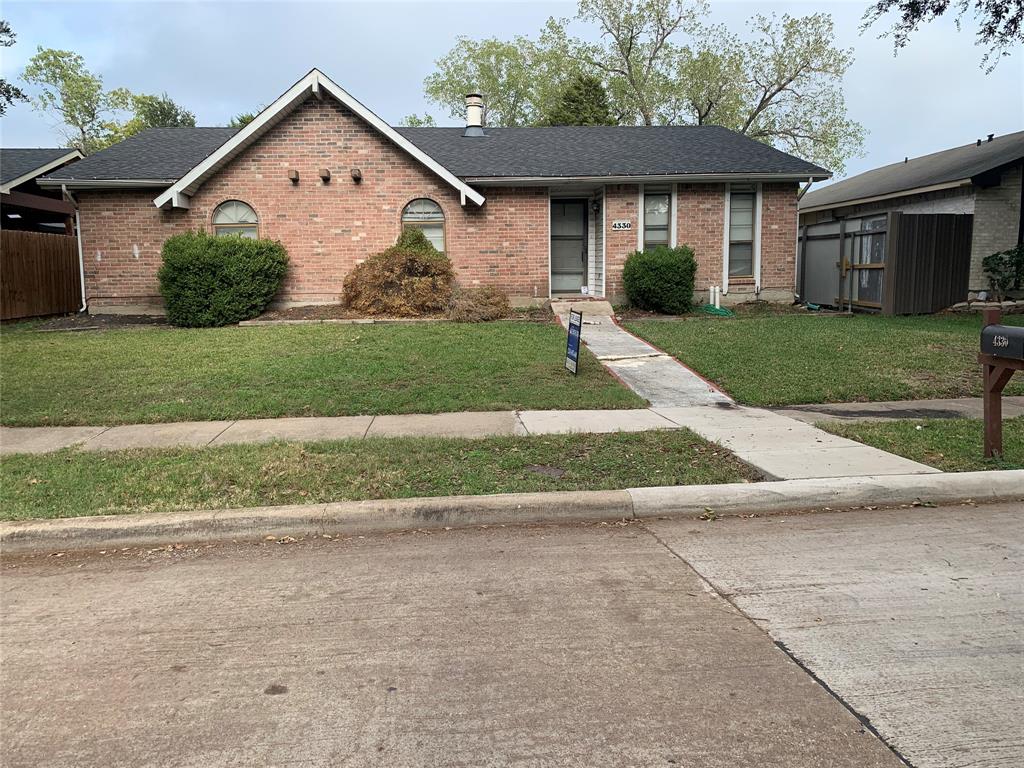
661, 279
1005, 270
210, 281
478, 304
410, 278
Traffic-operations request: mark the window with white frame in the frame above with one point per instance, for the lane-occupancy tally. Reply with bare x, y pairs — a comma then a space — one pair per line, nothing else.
426, 215
742, 217
235, 218
657, 204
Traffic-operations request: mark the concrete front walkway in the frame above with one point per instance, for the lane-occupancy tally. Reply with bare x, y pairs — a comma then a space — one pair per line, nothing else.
657, 377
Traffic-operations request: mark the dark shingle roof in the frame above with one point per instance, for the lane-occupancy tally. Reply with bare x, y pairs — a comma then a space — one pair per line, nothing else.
603, 151
156, 153
938, 168
169, 153
15, 163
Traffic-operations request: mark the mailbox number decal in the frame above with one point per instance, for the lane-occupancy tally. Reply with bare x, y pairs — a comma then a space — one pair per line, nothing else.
1000, 341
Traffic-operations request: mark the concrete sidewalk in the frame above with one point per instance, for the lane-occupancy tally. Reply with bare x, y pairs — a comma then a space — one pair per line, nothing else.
947, 408
780, 447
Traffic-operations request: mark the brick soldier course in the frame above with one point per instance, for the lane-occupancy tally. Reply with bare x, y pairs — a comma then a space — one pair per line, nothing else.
329, 226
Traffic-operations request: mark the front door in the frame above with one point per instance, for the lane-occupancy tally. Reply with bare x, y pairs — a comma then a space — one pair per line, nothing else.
568, 245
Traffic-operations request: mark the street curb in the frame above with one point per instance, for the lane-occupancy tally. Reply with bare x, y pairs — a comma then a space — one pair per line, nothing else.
362, 517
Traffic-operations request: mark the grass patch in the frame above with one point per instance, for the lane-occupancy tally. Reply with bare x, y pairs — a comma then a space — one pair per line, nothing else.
73, 482
157, 375
793, 359
952, 445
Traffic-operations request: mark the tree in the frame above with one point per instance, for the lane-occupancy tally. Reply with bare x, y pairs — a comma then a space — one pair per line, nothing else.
1001, 22
520, 79
415, 121
147, 112
784, 87
780, 84
241, 120
635, 52
583, 102
9, 93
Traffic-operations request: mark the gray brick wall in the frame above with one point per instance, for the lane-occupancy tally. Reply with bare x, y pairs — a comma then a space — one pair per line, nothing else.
996, 222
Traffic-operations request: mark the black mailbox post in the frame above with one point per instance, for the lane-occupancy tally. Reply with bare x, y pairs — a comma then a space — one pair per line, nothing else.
1002, 353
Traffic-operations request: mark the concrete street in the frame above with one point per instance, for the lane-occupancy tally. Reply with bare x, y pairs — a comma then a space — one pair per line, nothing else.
546, 646
562, 645
914, 617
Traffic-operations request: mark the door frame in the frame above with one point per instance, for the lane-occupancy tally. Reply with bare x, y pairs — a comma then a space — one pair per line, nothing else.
585, 203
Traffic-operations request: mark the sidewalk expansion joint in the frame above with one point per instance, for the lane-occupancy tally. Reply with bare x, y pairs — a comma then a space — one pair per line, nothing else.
370, 424
215, 437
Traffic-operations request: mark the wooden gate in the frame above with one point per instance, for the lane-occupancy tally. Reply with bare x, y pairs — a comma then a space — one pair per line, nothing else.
38, 274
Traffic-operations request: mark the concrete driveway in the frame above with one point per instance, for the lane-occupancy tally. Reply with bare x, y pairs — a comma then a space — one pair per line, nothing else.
914, 617
545, 646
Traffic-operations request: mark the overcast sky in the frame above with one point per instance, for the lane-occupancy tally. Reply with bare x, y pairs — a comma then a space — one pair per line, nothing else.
221, 58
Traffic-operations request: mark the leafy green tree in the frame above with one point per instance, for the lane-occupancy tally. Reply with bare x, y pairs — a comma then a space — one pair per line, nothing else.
243, 119
147, 112
1000, 22
781, 84
9, 93
521, 79
584, 102
415, 121
68, 90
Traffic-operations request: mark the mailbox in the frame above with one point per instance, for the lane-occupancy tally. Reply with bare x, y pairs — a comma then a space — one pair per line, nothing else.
1005, 341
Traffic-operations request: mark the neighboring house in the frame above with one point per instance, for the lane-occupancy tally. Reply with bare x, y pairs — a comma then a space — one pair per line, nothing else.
970, 197
535, 211
23, 204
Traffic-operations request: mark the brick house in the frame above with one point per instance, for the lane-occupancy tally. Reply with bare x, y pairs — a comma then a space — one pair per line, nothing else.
537, 212
979, 182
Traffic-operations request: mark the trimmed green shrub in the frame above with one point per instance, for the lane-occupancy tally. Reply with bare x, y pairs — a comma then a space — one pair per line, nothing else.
209, 281
1005, 270
478, 304
661, 279
408, 279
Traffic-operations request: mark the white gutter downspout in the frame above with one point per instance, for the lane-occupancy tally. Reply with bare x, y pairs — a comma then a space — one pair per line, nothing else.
78, 238
806, 188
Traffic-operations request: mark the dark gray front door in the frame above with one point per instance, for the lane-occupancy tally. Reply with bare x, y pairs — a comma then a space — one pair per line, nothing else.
568, 245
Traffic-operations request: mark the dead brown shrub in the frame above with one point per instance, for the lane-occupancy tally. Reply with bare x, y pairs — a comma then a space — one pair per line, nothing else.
408, 279
478, 304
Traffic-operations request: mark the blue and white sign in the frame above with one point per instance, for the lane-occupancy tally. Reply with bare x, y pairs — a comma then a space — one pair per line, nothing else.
572, 344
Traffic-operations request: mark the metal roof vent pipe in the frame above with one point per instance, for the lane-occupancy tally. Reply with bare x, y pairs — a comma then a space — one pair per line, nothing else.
474, 115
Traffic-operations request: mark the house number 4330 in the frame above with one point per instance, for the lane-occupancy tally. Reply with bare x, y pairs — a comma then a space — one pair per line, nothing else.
618, 226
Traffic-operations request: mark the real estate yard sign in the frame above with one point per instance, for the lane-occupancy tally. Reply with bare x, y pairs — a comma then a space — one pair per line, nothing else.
572, 343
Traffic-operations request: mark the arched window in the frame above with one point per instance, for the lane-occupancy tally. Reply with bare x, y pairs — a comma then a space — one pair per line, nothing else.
235, 218
426, 215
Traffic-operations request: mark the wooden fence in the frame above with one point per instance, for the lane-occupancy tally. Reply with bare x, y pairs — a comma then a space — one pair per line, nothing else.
38, 274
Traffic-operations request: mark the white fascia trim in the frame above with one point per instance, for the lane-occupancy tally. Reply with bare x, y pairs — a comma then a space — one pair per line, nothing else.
889, 196
725, 240
74, 154
312, 83
640, 219
673, 215
740, 178
757, 239
104, 183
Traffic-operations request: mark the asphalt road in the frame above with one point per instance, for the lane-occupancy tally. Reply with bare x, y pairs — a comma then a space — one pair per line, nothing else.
546, 646
915, 618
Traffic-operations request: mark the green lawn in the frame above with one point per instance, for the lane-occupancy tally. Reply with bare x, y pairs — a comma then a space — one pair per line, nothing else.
72, 483
791, 359
952, 445
154, 375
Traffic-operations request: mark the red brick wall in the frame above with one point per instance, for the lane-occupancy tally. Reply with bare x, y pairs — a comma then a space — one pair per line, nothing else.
621, 203
327, 228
